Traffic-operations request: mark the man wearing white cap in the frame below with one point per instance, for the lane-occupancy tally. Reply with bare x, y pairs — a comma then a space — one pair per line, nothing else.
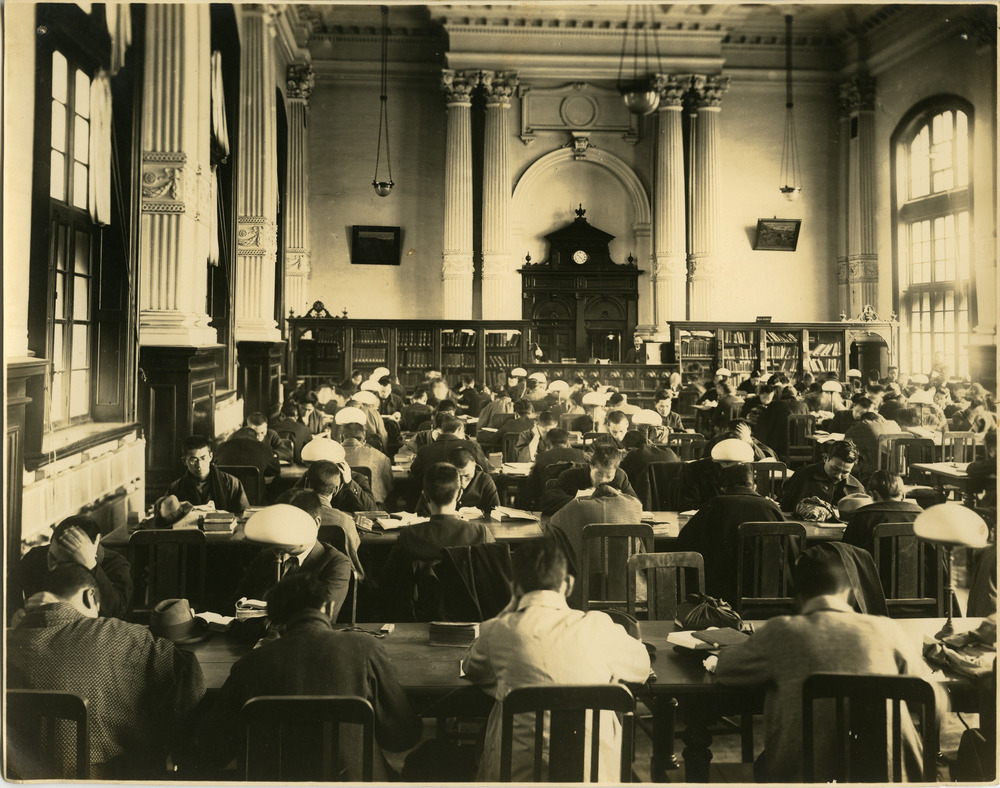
713, 531
701, 480
516, 385
348, 492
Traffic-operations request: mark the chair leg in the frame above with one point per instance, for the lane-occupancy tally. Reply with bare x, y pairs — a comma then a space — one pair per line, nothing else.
746, 738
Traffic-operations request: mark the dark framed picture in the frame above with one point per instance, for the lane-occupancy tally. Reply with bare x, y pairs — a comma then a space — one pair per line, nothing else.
777, 235
374, 245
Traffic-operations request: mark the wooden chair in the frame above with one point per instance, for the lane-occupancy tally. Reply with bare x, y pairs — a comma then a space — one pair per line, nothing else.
335, 536
663, 486
166, 564
798, 429
299, 738
687, 445
509, 446
911, 571
684, 406
365, 471
765, 555
670, 577
884, 442
251, 478
606, 550
770, 478
903, 452
590, 438
567, 709
958, 446
866, 715
38, 744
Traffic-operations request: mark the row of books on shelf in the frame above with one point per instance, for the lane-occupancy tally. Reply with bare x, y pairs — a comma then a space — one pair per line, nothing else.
782, 337
740, 353
790, 352
369, 335
466, 339
697, 347
497, 361
452, 360
369, 356
416, 336
739, 337
827, 349
824, 364
415, 358
503, 339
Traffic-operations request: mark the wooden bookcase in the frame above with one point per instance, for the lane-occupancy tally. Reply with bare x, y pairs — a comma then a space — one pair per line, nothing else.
702, 347
323, 348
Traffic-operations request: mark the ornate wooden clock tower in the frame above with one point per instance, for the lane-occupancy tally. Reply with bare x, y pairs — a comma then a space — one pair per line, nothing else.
581, 303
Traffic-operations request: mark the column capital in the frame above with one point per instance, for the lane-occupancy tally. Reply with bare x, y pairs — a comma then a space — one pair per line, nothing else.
457, 86
671, 88
857, 94
707, 90
499, 86
300, 79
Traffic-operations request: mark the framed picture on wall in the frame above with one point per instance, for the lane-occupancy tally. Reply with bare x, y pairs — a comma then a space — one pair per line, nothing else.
777, 235
374, 245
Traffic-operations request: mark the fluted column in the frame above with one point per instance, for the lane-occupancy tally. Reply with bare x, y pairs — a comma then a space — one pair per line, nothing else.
704, 236
456, 263
298, 267
257, 183
176, 204
669, 241
843, 171
501, 286
862, 251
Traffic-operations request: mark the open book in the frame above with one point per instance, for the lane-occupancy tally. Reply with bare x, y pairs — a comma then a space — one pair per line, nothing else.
506, 514
216, 621
391, 522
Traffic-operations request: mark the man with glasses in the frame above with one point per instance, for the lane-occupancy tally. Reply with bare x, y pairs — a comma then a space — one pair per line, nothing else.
829, 480
204, 483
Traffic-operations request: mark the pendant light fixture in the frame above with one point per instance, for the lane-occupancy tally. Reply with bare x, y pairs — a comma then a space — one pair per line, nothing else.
791, 181
637, 88
382, 188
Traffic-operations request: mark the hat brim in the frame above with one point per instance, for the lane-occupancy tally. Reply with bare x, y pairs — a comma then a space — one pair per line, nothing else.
199, 633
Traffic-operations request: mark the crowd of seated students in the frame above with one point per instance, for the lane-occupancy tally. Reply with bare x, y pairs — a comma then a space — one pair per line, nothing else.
336, 429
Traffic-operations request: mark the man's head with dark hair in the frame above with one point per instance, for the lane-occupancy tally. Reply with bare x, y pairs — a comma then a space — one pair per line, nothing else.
84, 522
346, 390
384, 381
523, 408
465, 464
289, 409
616, 399
295, 593
868, 416
353, 431
766, 393
451, 426
540, 565
738, 475
547, 420
197, 456
604, 461
820, 572
861, 406
441, 485
309, 502
323, 477
446, 406
908, 417
467, 380
76, 585
356, 377
558, 437
617, 424
840, 459
886, 486
256, 419
419, 394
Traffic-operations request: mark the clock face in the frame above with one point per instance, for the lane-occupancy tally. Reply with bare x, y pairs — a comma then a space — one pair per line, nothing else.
579, 257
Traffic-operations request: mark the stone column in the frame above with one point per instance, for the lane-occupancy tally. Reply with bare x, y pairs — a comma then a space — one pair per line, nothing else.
844, 130
704, 228
176, 204
297, 253
862, 249
456, 264
668, 205
257, 179
501, 288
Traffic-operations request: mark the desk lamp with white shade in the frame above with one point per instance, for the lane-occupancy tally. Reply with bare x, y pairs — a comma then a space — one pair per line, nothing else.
951, 525
283, 527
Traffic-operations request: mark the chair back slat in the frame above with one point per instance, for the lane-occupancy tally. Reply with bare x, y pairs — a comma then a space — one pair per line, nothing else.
663, 486
958, 446
250, 477
910, 571
769, 478
765, 555
509, 446
166, 564
603, 569
670, 577
687, 445
798, 428
39, 742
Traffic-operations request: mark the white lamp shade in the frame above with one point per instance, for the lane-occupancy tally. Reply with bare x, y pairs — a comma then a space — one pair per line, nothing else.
952, 524
379, 372
323, 449
371, 385
832, 386
722, 372
519, 372
282, 525
366, 397
732, 450
641, 102
558, 385
539, 376
854, 373
594, 398
350, 416
650, 417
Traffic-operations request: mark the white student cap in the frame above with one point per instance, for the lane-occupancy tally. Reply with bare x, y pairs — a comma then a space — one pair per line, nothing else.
366, 397
371, 385
350, 416
323, 449
558, 385
732, 450
281, 525
722, 372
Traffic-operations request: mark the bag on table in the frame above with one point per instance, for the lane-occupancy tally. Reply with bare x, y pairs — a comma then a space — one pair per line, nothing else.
700, 611
815, 510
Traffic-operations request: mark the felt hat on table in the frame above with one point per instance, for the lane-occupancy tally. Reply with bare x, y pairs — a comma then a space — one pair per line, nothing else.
174, 620
168, 511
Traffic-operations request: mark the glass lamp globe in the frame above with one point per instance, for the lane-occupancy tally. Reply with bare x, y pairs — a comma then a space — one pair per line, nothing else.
382, 188
641, 102
791, 192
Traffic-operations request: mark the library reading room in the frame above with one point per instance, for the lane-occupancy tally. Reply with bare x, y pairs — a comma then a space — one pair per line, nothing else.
534, 392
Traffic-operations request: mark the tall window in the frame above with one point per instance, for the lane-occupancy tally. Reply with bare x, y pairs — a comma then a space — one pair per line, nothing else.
933, 209
73, 236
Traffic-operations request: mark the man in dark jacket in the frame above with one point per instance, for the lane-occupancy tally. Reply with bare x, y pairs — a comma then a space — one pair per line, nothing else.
348, 494
287, 421
476, 488
603, 470
713, 531
203, 482
258, 430
890, 507
772, 426
452, 437
77, 540
310, 658
640, 454
701, 480
560, 453
417, 412
829, 480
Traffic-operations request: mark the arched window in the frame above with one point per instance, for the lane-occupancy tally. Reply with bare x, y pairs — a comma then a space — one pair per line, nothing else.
932, 221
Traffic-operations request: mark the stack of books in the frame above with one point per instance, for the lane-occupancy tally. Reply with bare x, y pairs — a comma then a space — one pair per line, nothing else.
218, 521
453, 633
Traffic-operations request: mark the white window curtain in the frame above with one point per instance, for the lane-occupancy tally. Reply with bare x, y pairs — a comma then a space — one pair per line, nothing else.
100, 148
220, 130
119, 18
213, 222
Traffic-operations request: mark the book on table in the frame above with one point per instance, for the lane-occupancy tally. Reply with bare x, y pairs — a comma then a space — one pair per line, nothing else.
216, 621
250, 608
507, 514
391, 522
453, 633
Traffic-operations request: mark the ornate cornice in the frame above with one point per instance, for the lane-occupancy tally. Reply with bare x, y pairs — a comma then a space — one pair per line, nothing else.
300, 78
256, 236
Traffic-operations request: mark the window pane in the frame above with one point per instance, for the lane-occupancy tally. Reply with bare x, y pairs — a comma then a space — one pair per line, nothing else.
81, 298
59, 69
62, 302
81, 140
58, 126
82, 253
61, 236
82, 96
81, 347
57, 179
963, 245
961, 149
57, 408
79, 399
919, 164
58, 363
79, 185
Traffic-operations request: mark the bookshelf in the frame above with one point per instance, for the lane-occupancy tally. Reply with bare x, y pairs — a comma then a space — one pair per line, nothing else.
784, 351
740, 352
825, 352
697, 356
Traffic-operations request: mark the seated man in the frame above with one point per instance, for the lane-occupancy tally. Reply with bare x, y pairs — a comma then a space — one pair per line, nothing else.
502, 405
324, 479
605, 505
535, 440
701, 480
390, 403
258, 430
619, 401
890, 507
826, 637
423, 542
140, 690
843, 420
524, 420
537, 639
452, 437
76, 541
204, 483
617, 425
864, 433
347, 492
772, 425
359, 453
467, 398
287, 421
664, 405
641, 453
829, 480
416, 413
713, 531
476, 488
311, 658
424, 436
603, 470
309, 413
327, 564
559, 454
742, 430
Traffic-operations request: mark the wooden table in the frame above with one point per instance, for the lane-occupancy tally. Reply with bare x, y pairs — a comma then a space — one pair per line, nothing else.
430, 677
952, 473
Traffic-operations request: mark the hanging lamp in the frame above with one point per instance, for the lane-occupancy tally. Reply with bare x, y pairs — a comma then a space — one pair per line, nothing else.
637, 89
382, 188
791, 180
